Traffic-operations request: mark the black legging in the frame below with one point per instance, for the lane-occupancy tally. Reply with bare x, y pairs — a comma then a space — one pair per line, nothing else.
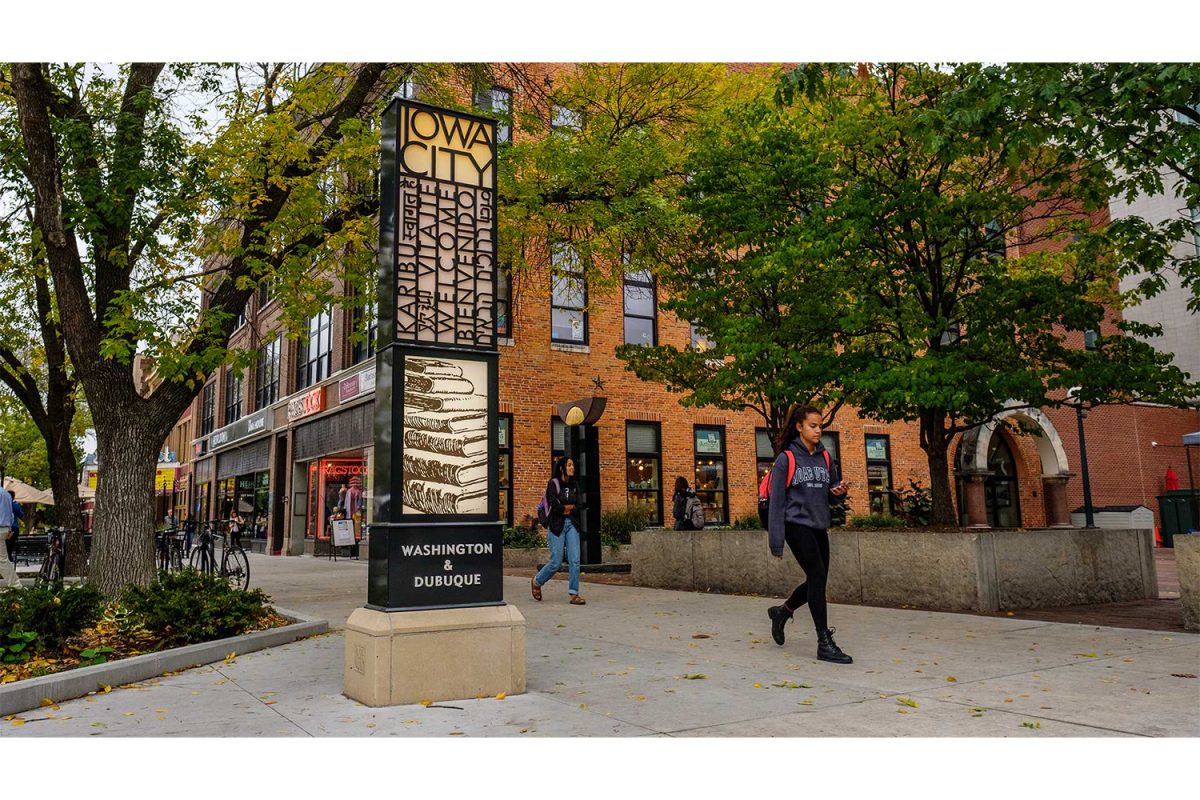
810, 546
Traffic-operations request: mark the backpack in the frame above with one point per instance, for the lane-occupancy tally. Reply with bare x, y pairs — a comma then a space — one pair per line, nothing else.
764, 487
693, 512
543, 509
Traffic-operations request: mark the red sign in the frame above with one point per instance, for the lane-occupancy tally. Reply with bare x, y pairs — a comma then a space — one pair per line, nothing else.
311, 402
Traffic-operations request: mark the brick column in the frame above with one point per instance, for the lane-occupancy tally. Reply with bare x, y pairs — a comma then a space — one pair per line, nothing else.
1057, 513
976, 502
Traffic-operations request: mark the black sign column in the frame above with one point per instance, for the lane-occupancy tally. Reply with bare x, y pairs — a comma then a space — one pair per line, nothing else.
436, 538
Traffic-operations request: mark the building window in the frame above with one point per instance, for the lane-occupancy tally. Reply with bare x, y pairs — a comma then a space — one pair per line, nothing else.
1089, 340
366, 325
641, 309
266, 375
643, 468
568, 317
208, 408
233, 396
565, 119
832, 442
264, 292
994, 240
710, 474
314, 354
499, 102
504, 286
241, 319
409, 89
504, 453
879, 473
701, 342
558, 441
764, 452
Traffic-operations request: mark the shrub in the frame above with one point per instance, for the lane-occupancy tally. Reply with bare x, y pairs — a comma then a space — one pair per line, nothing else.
916, 505
616, 526
189, 606
520, 538
877, 521
749, 522
54, 613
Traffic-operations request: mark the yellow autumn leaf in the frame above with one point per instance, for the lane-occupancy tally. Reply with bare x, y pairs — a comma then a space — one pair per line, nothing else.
583, 705
456, 733
18, 721
502, 695
907, 701
231, 658
370, 724
46, 701
8, 679
426, 702
758, 686
104, 687
951, 679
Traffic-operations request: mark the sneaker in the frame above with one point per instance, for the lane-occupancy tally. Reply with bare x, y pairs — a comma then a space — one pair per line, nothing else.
779, 617
576, 600
537, 590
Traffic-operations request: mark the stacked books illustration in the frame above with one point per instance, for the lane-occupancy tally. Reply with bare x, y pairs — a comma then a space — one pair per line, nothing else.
445, 438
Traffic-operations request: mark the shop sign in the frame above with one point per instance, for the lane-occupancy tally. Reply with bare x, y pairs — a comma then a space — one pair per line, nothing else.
258, 422
708, 442
164, 479
311, 402
452, 565
352, 387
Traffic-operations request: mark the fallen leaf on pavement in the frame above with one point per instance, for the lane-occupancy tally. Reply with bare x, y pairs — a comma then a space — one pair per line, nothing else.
1182, 675
1031, 724
426, 702
701, 636
18, 721
951, 679
791, 685
502, 695
104, 687
231, 658
696, 676
906, 701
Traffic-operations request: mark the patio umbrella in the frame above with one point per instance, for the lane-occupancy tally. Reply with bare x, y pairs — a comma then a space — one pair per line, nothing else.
25, 494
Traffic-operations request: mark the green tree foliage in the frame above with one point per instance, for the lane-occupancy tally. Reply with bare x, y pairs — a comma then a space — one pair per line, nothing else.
751, 272
968, 249
163, 197
1145, 120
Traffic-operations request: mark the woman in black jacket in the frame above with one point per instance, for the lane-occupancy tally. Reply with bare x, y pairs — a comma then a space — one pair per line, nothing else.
679, 503
799, 516
565, 503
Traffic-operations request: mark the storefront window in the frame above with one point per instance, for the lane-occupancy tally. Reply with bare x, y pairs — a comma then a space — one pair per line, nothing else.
339, 488
764, 452
504, 452
710, 474
643, 469
879, 473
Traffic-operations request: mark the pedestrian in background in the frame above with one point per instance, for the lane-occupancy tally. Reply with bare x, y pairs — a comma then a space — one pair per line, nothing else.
8, 571
683, 505
565, 503
18, 515
799, 516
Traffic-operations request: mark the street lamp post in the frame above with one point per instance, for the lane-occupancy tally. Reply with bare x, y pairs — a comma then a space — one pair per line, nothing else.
1088, 517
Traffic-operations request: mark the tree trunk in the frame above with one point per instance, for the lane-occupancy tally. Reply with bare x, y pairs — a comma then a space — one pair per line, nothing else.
123, 534
936, 445
65, 485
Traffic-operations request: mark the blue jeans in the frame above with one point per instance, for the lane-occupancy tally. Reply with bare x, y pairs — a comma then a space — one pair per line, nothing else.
571, 535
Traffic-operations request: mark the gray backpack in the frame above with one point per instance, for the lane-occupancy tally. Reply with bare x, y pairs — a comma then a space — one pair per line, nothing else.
694, 512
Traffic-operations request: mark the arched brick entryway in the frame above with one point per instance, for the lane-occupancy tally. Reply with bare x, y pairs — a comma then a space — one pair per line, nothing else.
972, 466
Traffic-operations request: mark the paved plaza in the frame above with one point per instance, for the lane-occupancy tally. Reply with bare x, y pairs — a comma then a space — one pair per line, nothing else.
648, 662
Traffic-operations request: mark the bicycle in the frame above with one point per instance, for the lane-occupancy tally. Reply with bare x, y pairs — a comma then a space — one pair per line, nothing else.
169, 549
234, 566
55, 563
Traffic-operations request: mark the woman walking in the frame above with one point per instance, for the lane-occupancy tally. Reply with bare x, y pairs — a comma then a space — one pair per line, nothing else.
799, 517
564, 502
679, 505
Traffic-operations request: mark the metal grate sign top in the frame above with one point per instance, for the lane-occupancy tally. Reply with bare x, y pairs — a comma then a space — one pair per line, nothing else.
446, 227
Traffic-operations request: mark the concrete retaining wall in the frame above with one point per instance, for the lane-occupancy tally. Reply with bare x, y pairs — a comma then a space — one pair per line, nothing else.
536, 556
949, 571
1187, 561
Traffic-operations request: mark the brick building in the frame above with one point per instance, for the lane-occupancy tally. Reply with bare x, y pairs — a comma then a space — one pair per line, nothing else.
292, 439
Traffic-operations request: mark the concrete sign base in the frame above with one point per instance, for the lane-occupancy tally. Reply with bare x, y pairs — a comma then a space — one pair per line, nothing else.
406, 657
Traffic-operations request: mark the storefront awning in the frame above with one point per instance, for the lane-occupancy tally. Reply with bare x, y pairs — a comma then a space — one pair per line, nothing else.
1191, 439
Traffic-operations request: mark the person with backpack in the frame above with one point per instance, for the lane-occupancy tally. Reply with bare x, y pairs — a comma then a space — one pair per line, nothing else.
8, 570
686, 507
560, 507
802, 483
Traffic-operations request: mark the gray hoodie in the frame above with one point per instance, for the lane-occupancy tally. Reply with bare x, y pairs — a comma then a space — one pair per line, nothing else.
806, 501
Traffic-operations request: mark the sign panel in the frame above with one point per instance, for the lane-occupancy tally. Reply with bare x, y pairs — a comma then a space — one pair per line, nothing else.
311, 402
445, 228
343, 532
447, 566
361, 383
445, 436
249, 425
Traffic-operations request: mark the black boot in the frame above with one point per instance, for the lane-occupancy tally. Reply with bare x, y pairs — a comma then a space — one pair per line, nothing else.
779, 617
827, 649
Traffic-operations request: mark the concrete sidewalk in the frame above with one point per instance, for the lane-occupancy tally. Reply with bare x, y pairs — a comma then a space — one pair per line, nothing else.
645, 662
